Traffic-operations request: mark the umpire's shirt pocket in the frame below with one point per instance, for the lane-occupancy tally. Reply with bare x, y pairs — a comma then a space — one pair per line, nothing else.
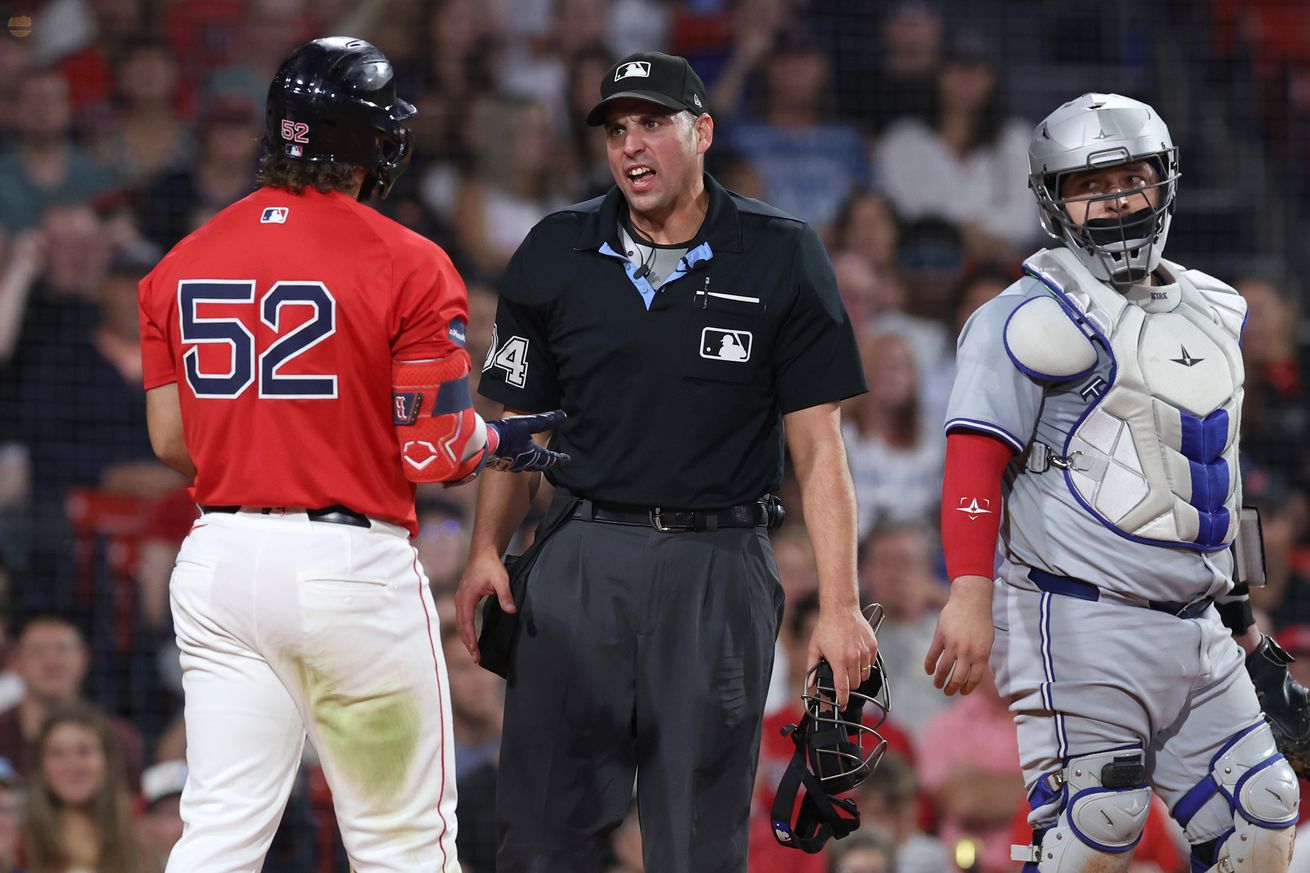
724, 340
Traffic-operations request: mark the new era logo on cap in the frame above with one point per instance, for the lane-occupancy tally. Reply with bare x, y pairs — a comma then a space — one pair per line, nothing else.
632, 69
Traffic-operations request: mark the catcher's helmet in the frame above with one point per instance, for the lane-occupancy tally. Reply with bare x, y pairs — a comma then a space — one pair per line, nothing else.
334, 99
1092, 132
835, 750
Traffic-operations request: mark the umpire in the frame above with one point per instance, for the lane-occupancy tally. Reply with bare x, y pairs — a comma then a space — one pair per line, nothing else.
685, 330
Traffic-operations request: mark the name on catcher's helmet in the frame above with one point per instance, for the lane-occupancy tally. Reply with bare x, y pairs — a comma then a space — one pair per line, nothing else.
836, 749
334, 99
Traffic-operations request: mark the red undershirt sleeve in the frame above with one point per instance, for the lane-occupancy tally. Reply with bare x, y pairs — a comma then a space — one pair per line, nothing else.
971, 502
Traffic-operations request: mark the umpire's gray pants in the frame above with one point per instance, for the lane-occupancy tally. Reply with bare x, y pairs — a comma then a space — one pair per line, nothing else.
638, 653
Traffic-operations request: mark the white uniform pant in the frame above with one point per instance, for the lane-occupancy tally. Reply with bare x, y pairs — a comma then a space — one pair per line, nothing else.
288, 625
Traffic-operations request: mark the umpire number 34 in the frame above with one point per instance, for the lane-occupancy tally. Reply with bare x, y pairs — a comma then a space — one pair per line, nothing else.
512, 357
246, 365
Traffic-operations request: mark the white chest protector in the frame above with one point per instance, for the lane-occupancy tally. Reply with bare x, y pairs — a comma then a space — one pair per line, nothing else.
1154, 455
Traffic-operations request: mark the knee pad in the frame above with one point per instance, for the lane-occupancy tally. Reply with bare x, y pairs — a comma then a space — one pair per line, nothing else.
1103, 802
1263, 798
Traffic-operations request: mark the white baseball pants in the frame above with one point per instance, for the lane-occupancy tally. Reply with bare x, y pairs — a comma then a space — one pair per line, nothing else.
288, 626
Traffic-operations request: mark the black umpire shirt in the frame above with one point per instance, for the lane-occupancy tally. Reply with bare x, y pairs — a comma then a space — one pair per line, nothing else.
678, 405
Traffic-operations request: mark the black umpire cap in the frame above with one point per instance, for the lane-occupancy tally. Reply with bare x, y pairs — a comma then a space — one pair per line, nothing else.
652, 76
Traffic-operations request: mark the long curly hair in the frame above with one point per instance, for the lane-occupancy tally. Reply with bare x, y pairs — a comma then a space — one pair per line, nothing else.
278, 171
109, 809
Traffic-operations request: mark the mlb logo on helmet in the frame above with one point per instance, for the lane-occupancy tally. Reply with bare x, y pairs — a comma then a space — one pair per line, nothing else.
274, 215
638, 69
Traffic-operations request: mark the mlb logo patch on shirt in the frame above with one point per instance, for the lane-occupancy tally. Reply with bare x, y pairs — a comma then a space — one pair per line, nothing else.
274, 215
723, 344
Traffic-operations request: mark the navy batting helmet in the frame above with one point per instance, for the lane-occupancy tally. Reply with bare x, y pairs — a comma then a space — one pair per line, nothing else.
334, 99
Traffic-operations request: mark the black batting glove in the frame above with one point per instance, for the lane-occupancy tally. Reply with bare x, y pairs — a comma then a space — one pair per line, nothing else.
514, 450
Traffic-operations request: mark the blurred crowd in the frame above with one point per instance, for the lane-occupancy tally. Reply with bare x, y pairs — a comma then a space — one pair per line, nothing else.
890, 126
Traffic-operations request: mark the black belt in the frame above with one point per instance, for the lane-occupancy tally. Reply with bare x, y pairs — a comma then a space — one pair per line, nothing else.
673, 520
330, 514
1071, 587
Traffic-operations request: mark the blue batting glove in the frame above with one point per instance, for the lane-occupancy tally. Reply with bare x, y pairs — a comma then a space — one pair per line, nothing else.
515, 452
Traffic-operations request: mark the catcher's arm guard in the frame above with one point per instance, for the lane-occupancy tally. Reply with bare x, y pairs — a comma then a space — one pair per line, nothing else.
1286, 703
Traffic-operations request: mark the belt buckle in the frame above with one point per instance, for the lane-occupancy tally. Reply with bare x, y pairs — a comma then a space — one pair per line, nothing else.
657, 522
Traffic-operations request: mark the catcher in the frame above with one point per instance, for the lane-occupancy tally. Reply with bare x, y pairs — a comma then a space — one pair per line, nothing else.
1096, 408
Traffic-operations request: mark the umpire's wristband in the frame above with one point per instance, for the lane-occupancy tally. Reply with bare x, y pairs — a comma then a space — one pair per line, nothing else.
1236, 614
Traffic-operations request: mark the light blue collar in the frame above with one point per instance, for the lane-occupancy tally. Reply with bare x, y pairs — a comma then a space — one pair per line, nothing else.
686, 264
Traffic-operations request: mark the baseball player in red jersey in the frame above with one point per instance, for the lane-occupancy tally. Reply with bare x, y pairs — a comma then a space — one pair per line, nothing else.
304, 360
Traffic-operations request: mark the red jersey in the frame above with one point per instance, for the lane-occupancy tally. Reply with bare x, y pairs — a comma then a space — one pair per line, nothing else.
279, 321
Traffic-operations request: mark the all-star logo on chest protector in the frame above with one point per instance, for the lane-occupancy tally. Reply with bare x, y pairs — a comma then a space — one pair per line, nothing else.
1154, 456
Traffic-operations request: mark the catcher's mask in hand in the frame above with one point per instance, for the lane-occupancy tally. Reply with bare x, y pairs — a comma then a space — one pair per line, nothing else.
835, 750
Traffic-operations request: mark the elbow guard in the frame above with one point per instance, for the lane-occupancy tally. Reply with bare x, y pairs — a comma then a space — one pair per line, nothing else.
441, 438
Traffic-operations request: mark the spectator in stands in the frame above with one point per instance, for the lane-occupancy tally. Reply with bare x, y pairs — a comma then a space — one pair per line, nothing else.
895, 454
144, 133
1276, 411
78, 806
52, 659
111, 25
979, 285
932, 261
265, 33
15, 61
975, 786
223, 172
160, 826
896, 570
589, 167
91, 383
45, 167
477, 708
47, 289
442, 541
967, 162
867, 225
454, 59
11, 789
809, 163
889, 797
515, 182
859, 288
876, 301
868, 850
890, 73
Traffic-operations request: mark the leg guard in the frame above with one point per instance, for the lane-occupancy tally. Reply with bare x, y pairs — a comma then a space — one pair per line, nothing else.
1262, 793
1103, 801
